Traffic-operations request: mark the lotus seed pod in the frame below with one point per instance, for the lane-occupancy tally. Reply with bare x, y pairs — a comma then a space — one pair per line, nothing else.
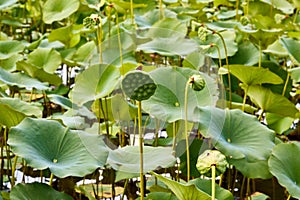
91, 21
138, 85
209, 158
244, 20
197, 82
202, 33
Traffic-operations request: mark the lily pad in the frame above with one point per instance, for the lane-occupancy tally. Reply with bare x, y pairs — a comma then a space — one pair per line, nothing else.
56, 10
95, 82
292, 46
126, 160
167, 103
284, 165
47, 144
36, 191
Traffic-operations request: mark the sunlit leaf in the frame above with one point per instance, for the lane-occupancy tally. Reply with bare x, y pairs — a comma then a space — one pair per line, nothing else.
24, 191
292, 46
276, 49
279, 123
167, 103
284, 165
47, 144
254, 75
95, 82
282, 5
68, 35
56, 10
268, 101
7, 3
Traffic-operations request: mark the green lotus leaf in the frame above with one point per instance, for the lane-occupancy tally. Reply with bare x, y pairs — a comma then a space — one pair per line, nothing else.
205, 185
9, 116
10, 48
276, 49
39, 74
292, 46
295, 73
239, 136
36, 191
279, 123
283, 5
68, 35
56, 10
7, 3
254, 75
95, 82
47, 144
9, 64
45, 58
167, 103
21, 80
247, 54
284, 165
126, 160
161, 196
167, 28
268, 101
169, 46
184, 191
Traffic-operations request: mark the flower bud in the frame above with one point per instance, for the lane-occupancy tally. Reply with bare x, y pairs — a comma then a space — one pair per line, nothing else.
197, 82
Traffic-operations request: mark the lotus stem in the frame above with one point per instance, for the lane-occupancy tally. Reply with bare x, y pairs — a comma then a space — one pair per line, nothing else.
131, 12
296, 15
161, 10
99, 36
141, 143
288, 197
244, 99
213, 182
119, 43
186, 131
260, 54
51, 179
285, 84
237, 10
13, 171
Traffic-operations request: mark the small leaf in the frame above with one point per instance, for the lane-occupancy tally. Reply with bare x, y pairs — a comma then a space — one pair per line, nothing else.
10, 48
279, 123
68, 35
292, 46
56, 10
284, 165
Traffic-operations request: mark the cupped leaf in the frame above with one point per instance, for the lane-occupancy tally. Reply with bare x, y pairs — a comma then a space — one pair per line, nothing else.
205, 185
45, 58
284, 165
126, 160
47, 144
254, 75
167, 103
95, 82
56, 10
9, 116
169, 46
10, 48
283, 5
271, 102
21, 80
239, 136
279, 123
295, 73
39, 74
187, 191
68, 35
276, 49
247, 54
36, 190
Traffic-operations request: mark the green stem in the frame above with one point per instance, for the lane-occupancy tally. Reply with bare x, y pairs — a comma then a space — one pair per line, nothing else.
261, 115
141, 143
186, 131
119, 43
161, 10
260, 54
286, 84
244, 99
288, 197
131, 12
174, 135
125, 186
237, 10
213, 182
99, 36
51, 179
13, 171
